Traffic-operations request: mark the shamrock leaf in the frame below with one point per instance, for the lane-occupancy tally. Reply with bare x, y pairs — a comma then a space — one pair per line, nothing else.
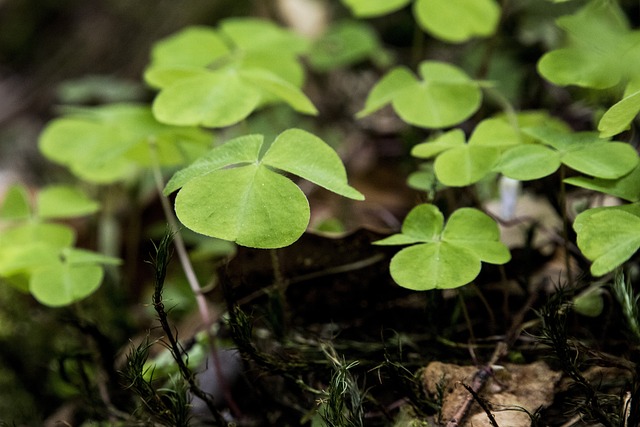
444, 256
234, 194
582, 151
446, 96
248, 63
608, 236
601, 50
64, 202
626, 187
74, 275
458, 164
619, 117
110, 143
457, 21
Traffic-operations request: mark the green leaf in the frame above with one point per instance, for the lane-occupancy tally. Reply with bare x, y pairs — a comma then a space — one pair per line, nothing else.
29, 246
372, 8
582, 151
470, 163
618, 118
465, 165
81, 256
250, 205
346, 43
245, 149
386, 89
608, 237
626, 187
452, 139
56, 235
600, 50
15, 205
304, 154
438, 265
281, 89
529, 161
446, 96
183, 52
448, 257
87, 148
458, 164
459, 20
423, 223
23, 259
609, 160
213, 100
223, 98
259, 35
64, 202
578, 223
494, 132
477, 232
62, 283
110, 143
565, 67
195, 46
589, 303
250, 62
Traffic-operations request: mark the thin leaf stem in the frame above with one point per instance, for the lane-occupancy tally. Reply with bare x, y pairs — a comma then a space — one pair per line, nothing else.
565, 225
465, 313
190, 274
178, 241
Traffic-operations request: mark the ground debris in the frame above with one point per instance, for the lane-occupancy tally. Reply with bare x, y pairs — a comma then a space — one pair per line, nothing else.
510, 391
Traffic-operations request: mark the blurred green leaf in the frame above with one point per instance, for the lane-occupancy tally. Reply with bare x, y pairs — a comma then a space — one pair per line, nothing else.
445, 97
600, 51
62, 201
15, 205
62, 283
371, 8
582, 151
618, 118
457, 21
111, 143
346, 43
626, 187
243, 65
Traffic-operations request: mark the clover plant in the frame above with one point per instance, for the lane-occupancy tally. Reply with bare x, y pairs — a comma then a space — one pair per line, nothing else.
444, 256
460, 164
217, 78
112, 143
241, 191
602, 52
445, 96
251, 203
37, 254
